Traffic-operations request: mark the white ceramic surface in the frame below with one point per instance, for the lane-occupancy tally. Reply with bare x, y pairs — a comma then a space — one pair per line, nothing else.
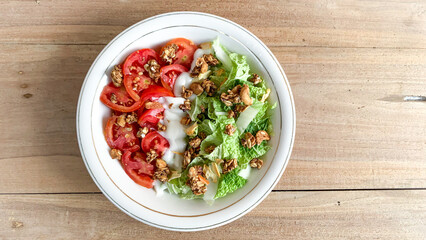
170, 212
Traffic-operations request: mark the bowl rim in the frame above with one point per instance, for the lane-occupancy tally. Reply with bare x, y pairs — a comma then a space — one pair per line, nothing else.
291, 143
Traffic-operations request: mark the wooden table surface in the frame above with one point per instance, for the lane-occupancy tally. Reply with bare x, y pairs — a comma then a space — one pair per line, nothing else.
358, 168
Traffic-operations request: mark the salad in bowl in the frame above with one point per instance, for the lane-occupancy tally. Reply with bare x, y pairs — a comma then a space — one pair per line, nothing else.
192, 120
185, 121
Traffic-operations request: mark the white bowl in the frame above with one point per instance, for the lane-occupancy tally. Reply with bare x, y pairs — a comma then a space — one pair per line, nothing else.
168, 211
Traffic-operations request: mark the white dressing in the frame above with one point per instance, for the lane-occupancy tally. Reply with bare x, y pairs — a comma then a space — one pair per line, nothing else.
168, 157
159, 187
245, 173
175, 132
184, 79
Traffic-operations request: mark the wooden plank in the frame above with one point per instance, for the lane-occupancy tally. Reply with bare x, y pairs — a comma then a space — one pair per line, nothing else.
283, 215
349, 134
347, 23
352, 125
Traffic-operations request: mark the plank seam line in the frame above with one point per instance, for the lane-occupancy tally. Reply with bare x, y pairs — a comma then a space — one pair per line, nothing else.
269, 45
351, 190
304, 190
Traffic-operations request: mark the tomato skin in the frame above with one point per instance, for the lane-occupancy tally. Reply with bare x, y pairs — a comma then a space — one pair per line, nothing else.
132, 167
129, 105
153, 140
155, 91
133, 68
130, 81
170, 73
137, 162
116, 136
185, 53
150, 117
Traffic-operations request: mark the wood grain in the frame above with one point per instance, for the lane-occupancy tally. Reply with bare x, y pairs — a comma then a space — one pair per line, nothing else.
349, 64
331, 23
349, 136
285, 215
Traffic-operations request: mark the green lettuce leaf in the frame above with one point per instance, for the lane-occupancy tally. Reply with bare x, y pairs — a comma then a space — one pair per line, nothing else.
178, 185
196, 106
229, 182
213, 139
218, 75
207, 126
240, 67
215, 106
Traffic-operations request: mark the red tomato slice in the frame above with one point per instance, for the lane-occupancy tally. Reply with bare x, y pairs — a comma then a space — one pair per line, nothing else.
122, 138
136, 84
137, 162
155, 91
185, 53
170, 73
133, 70
150, 117
154, 140
122, 102
138, 169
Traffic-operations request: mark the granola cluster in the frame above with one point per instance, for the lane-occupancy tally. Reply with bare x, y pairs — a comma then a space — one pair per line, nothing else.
209, 87
195, 142
196, 181
232, 96
255, 79
117, 76
185, 120
229, 165
236, 95
151, 155
256, 163
131, 118
230, 129
196, 88
202, 64
153, 105
186, 93
210, 149
161, 127
153, 69
192, 152
162, 170
186, 106
116, 154
169, 53
250, 141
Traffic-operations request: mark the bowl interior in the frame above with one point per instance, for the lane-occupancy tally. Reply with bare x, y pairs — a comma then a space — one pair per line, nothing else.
167, 204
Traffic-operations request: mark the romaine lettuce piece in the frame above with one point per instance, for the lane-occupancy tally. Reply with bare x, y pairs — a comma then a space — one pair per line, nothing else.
240, 67
207, 126
229, 182
196, 106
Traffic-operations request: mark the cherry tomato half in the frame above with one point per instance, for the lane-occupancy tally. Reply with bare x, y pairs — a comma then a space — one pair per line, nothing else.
153, 140
155, 91
185, 52
122, 138
138, 169
135, 78
170, 73
150, 117
118, 99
